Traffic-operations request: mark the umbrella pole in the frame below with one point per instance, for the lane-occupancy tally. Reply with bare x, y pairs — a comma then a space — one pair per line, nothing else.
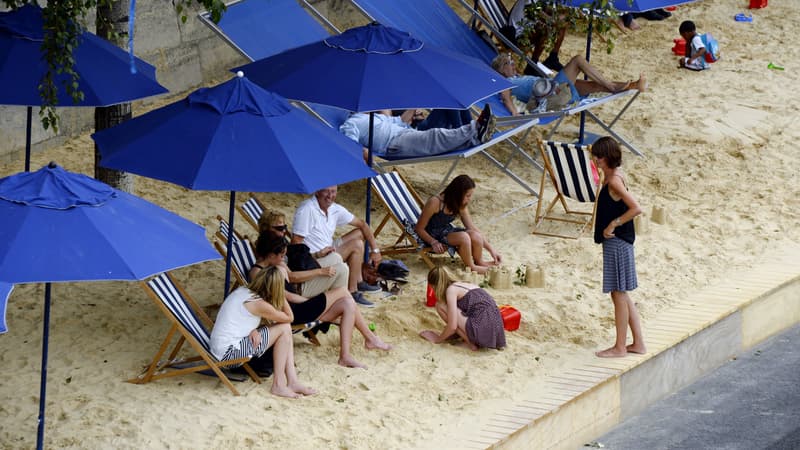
588, 55
369, 180
28, 140
43, 384
229, 244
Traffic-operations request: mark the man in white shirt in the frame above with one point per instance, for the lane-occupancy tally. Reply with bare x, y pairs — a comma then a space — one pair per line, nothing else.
315, 223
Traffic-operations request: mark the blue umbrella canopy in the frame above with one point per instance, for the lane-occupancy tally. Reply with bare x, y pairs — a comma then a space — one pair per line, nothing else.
104, 69
627, 5
376, 67
59, 226
234, 137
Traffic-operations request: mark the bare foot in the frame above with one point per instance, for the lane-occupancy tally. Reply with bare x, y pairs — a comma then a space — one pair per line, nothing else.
302, 390
612, 352
351, 362
479, 269
376, 343
634, 26
281, 391
468, 345
641, 84
639, 349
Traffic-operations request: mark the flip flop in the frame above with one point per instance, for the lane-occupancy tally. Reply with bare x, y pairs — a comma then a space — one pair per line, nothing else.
741, 17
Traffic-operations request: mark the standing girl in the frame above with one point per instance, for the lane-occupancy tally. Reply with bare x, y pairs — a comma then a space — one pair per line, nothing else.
613, 228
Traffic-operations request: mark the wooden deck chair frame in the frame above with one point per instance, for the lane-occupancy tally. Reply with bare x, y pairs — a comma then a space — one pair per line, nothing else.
240, 247
573, 181
158, 369
405, 197
252, 210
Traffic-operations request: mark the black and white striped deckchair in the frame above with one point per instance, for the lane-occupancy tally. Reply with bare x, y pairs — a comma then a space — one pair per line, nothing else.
251, 210
193, 324
404, 207
573, 176
242, 255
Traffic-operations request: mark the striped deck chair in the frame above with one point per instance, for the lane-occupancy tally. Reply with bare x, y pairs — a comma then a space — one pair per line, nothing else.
403, 206
193, 324
243, 254
242, 260
570, 169
252, 210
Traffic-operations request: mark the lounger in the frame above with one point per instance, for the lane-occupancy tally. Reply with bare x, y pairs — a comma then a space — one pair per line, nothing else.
438, 24
258, 29
404, 207
571, 173
193, 324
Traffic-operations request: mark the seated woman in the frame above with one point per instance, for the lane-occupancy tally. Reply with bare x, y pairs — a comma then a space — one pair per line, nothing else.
435, 225
336, 305
311, 282
565, 85
468, 311
236, 332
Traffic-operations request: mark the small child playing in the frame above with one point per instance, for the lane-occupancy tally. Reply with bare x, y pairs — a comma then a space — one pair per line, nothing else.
695, 49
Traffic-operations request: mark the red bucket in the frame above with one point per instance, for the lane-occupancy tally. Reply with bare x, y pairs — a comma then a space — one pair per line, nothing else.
430, 297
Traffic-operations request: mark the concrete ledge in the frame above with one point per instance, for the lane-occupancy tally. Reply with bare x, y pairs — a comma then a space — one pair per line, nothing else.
590, 397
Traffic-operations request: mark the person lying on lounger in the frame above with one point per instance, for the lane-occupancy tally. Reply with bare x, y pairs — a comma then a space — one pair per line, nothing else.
393, 136
545, 94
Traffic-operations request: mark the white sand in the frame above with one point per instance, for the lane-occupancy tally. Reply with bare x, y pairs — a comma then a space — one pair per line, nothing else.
721, 148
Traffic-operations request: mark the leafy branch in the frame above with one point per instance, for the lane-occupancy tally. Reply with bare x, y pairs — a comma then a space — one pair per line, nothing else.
63, 25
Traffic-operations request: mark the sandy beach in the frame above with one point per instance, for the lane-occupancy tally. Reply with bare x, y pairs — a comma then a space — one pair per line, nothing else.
720, 149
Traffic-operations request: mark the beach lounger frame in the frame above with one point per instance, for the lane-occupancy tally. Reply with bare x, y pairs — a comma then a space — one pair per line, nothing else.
192, 324
569, 169
428, 23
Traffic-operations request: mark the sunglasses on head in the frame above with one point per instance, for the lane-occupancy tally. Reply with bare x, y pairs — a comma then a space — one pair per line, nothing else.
279, 227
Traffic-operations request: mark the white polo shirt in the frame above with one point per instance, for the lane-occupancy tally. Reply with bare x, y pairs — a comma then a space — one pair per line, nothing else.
315, 226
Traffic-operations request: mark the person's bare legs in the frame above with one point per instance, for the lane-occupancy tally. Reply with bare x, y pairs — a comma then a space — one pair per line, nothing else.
625, 313
637, 346
344, 307
461, 326
462, 241
352, 251
578, 64
291, 373
477, 248
280, 339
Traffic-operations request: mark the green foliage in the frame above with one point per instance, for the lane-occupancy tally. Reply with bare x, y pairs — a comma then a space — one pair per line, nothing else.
547, 17
522, 274
64, 20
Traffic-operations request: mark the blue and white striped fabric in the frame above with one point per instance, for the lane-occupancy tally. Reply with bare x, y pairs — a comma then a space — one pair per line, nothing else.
166, 291
571, 170
396, 195
253, 209
242, 257
5, 292
619, 266
495, 11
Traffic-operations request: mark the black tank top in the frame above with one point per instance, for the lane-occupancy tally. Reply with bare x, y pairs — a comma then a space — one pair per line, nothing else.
609, 209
